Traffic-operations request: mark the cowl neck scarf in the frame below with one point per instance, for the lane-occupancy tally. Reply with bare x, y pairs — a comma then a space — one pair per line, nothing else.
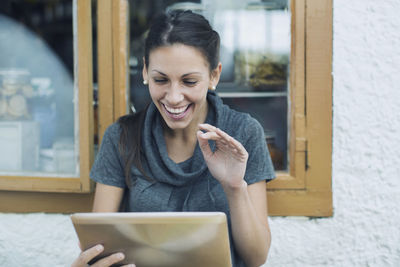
157, 162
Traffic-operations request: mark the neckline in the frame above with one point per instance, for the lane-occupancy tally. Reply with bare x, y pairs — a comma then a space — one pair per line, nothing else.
155, 152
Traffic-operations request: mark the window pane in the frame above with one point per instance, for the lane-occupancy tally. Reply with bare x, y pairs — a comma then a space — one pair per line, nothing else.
271, 112
37, 109
255, 55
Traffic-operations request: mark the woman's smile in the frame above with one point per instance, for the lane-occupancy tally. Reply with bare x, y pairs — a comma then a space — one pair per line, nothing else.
177, 113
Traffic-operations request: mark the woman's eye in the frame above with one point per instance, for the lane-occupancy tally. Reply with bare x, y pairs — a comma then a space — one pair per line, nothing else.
160, 80
190, 82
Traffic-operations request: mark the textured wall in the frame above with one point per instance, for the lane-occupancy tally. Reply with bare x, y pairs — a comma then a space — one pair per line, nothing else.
364, 230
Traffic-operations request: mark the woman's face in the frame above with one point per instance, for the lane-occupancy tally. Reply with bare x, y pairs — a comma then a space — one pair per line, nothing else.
179, 77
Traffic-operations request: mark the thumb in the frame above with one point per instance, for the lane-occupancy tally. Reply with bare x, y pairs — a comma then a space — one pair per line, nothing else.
204, 146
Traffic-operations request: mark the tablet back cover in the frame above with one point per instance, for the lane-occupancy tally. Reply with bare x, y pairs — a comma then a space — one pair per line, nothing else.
162, 239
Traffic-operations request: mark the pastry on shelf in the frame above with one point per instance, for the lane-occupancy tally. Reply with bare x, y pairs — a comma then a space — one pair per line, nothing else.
269, 76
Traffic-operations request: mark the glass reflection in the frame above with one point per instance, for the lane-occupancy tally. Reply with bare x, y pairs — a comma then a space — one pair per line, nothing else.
37, 131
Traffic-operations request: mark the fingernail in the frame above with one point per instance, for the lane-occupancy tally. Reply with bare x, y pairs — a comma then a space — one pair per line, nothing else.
99, 248
120, 256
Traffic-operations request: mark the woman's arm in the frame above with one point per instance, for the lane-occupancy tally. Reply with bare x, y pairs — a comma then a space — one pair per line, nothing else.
247, 204
107, 198
249, 218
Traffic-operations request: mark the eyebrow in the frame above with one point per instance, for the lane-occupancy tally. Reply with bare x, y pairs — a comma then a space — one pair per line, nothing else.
184, 75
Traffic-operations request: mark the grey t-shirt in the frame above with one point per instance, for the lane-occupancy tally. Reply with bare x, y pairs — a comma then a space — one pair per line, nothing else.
185, 186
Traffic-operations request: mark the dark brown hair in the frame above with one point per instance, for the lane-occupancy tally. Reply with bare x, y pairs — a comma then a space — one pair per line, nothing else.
184, 27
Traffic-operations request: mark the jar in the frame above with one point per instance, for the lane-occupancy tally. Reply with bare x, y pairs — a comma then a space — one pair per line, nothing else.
15, 92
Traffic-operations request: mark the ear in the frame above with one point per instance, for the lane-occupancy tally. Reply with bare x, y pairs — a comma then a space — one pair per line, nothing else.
144, 71
215, 75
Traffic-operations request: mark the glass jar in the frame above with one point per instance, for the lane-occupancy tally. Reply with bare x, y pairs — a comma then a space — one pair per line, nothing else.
15, 94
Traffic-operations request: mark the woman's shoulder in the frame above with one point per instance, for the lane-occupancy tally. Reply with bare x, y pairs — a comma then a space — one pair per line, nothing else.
113, 130
240, 122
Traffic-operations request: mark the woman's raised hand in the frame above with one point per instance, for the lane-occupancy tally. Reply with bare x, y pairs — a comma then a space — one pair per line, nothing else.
86, 256
228, 162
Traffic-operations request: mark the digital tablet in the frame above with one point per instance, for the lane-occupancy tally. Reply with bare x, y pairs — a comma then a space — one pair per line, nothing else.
162, 239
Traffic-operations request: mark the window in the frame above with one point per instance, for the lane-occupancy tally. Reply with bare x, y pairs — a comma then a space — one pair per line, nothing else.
46, 118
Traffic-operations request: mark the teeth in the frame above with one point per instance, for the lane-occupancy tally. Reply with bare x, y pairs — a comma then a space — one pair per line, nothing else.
176, 110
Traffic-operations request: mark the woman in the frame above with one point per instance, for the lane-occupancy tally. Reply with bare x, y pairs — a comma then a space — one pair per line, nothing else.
187, 151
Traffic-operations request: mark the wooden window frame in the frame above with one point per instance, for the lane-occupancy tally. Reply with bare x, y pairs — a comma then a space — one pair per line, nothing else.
113, 59
21, 193
306, 188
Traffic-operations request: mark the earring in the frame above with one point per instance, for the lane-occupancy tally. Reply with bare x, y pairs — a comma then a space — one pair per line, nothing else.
145, 82
213, 87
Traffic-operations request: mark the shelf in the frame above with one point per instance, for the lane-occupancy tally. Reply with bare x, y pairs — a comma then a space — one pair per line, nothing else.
234, 90
251, 94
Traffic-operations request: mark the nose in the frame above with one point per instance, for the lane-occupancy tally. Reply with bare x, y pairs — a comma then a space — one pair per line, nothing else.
174, 95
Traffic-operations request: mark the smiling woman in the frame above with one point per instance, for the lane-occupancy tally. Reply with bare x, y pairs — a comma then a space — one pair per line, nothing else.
187, 151
179, 90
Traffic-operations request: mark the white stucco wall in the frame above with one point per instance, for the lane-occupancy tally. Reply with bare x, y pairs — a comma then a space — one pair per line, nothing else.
364, 230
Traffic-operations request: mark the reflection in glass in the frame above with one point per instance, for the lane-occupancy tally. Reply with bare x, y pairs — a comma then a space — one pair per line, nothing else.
255, 46
37, 127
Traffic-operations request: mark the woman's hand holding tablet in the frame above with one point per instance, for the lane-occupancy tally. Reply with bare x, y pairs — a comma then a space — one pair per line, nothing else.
88, 255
